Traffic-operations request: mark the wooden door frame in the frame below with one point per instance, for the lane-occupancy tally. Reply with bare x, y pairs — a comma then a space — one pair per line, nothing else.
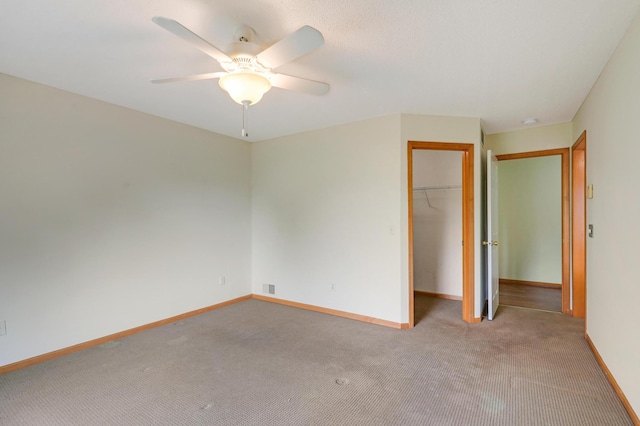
579, 225
564, 155
468, 244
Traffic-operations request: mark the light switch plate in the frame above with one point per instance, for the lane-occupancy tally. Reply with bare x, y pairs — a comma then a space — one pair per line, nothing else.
590, 231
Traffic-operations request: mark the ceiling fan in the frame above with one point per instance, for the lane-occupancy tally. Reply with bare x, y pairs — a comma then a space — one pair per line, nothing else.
248, 74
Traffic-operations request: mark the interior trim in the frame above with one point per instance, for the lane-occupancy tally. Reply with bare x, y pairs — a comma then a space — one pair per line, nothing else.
612, 381
579, 224
530, 283
335, 312
438, 295
468, 212
99, 341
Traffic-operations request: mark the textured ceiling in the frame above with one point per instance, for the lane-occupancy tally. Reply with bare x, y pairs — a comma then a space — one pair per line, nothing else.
499, 60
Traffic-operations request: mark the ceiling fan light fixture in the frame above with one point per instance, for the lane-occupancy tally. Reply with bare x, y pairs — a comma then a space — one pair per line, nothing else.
245, 86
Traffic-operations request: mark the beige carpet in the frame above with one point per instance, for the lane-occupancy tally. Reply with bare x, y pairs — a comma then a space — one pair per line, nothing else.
257, 363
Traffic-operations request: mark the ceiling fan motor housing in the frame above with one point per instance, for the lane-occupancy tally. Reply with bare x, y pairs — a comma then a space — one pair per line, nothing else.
243, 33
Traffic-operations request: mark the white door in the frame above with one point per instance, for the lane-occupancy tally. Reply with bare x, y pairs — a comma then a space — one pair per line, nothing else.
492, 235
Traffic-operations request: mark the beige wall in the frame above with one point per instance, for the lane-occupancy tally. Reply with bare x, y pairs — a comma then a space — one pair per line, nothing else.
111, 219
326, 217
610, 117
534, 139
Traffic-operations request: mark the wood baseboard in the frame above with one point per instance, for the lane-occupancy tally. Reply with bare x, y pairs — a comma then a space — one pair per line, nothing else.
614, 384
529, 283
438, 295
343, 314
99, 341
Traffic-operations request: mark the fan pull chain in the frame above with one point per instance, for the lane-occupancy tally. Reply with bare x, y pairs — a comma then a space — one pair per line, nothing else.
245, 118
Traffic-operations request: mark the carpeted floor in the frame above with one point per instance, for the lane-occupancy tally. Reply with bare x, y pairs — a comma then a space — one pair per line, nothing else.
257, 363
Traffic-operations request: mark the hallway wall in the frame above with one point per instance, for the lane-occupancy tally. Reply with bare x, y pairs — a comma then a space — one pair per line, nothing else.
610, 117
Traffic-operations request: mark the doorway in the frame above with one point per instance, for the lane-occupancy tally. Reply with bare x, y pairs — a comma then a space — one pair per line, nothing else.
578, 234
467, 189
524, 288
437, 220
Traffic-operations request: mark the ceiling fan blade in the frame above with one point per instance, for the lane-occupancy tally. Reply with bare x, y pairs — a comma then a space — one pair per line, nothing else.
301, 42
178, 29
190, 77
298, 84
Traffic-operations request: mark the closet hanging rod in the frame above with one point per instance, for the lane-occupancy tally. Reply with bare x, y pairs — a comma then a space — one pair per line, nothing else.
433, 188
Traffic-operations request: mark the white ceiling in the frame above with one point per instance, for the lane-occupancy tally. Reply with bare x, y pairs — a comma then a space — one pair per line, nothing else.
500, 60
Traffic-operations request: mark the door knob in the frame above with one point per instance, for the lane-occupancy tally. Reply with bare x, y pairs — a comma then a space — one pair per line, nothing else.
489, 243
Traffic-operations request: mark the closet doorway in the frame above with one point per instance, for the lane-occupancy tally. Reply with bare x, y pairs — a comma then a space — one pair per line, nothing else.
441, 214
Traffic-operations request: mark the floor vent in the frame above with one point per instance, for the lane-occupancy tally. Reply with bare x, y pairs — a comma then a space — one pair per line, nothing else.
269, 288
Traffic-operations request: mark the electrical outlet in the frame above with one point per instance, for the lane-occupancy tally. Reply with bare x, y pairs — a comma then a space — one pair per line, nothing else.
3, 327
222, 280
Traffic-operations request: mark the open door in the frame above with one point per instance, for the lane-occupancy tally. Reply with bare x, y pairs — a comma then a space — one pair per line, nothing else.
493, 283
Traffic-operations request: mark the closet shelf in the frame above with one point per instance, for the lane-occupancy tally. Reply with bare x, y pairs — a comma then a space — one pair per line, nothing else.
425, 189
